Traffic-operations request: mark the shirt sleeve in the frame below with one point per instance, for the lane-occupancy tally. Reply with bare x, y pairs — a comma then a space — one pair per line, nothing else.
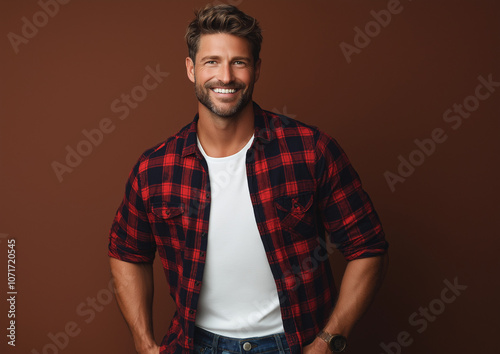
347, 211
130, 237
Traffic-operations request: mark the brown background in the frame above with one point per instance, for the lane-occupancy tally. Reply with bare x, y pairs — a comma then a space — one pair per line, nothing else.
441, 222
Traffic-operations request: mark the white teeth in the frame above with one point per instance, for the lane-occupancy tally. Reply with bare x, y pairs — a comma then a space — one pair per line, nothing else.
218, 90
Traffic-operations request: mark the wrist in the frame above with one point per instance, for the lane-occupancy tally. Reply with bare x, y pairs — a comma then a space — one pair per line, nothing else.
144, 343
335, 342
336, 325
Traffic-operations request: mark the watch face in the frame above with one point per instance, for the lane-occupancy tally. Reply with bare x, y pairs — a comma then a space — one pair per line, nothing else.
338, 344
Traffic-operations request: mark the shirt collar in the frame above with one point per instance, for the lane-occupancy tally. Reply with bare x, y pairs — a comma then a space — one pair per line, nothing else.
263, 132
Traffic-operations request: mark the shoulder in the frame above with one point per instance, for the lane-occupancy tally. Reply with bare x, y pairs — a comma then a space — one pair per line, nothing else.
296, 133
155, 155
284, 125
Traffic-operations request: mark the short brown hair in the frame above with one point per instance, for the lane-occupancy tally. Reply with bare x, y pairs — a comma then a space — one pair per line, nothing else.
223, 19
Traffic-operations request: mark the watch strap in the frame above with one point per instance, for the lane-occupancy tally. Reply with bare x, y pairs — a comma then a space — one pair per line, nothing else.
327, 337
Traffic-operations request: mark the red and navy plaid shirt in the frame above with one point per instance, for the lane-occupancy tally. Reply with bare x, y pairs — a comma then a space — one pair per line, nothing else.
304, 193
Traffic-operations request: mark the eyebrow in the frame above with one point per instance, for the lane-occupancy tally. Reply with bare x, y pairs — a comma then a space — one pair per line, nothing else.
218, 57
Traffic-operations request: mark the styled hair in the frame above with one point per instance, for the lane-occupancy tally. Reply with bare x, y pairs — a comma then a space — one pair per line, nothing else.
223, 19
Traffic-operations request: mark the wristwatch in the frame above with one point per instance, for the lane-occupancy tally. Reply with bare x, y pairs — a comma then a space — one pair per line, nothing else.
336, 342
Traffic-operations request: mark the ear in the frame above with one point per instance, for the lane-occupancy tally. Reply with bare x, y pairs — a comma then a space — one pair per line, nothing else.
257, 69
190, 69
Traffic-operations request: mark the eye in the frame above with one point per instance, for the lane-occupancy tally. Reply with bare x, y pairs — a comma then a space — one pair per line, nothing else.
239, 62
210, 62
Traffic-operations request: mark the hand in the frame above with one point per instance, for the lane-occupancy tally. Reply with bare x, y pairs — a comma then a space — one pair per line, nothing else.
319, 346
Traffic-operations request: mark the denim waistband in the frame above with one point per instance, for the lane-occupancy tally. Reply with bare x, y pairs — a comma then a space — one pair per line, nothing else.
274, 343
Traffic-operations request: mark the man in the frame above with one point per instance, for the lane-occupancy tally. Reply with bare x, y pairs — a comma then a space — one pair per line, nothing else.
239, 204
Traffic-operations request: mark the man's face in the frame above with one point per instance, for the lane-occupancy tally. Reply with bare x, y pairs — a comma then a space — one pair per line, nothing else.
224, 73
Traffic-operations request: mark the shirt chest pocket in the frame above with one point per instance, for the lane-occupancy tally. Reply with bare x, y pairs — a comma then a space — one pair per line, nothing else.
167, 224
296, 214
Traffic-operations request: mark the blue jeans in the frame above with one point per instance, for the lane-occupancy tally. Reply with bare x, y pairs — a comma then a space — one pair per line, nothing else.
210, 343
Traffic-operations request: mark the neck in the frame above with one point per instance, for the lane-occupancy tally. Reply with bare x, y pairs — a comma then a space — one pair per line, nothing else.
222, 137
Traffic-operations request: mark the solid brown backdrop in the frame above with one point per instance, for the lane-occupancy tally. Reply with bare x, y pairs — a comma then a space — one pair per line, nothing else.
440, 221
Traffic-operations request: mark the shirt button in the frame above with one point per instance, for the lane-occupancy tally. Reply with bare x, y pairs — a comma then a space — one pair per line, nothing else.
208, 195
247, 346
296, 205
204, 234
191, 312
197, 283
202, 254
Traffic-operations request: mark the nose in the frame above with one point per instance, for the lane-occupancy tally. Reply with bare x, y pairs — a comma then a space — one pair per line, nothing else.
226, 73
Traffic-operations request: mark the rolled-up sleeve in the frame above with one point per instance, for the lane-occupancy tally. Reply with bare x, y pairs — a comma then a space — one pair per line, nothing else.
346, 209
130, 237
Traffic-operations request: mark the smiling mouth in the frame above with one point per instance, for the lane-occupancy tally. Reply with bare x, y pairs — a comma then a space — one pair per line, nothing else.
224, 91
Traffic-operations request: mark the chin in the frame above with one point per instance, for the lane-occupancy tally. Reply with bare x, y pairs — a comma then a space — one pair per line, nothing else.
232, 111
228, 114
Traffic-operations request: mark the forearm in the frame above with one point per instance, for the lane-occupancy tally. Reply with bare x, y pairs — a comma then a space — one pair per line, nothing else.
362, 278
134, 290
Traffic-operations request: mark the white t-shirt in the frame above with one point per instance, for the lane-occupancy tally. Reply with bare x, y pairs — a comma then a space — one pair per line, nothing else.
238, 297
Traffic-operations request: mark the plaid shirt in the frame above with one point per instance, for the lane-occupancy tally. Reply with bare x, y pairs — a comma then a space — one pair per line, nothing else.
302, 188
